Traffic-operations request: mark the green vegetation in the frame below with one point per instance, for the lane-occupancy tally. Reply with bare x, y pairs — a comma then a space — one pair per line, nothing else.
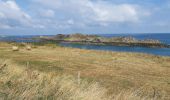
50, 73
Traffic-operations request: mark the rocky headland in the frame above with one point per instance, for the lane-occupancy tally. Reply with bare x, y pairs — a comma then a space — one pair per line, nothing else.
99, 40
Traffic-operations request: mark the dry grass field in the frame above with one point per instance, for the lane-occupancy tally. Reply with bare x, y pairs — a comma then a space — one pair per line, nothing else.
50, 72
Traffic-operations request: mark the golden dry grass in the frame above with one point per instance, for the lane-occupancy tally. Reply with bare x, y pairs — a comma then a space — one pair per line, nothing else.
18, 83
144, 76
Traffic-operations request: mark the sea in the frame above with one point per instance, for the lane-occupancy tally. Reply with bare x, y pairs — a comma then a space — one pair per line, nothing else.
163, 37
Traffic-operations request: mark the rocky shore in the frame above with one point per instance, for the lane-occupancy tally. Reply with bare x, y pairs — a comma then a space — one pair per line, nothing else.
98, 40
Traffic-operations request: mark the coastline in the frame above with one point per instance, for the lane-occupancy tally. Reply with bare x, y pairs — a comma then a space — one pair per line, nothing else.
148, 45
99, 40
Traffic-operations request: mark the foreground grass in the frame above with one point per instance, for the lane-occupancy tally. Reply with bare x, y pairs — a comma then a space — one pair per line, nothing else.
25, 84
52, 72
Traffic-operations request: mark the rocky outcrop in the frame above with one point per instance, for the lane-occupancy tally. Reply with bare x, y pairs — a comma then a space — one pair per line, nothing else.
116, 41
61, 37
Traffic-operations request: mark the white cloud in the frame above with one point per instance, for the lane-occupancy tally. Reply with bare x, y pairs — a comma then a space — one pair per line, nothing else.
98, 11
9, 10
2, 15
68, 14
115, 13
70, 22
47, 13
50, 3
4, 26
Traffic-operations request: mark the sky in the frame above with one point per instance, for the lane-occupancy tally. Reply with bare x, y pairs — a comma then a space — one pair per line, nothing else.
40, 17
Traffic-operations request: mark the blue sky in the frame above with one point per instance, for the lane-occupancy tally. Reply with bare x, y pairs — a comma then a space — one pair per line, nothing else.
34, 17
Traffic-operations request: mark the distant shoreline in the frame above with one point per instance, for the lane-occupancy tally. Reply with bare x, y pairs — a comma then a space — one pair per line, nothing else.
149, 45
101, 40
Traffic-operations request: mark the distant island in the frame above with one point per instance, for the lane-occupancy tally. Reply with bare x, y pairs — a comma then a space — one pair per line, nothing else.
99, 40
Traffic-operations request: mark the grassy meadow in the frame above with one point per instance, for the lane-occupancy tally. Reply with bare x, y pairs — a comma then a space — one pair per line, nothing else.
50, 72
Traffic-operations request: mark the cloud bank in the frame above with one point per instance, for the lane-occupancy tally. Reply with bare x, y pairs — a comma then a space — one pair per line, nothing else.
100, 12
11, 15
82, 15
